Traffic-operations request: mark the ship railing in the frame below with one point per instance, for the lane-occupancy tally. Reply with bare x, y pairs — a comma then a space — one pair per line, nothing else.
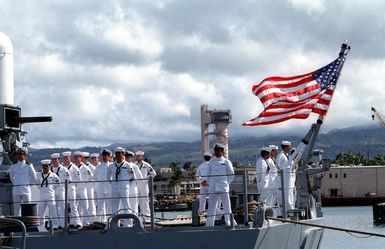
10, 221
245, 180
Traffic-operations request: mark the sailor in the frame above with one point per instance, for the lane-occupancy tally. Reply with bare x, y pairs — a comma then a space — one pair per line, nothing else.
47, 182
120, 173
74, 179
220, 174
147, 170
63, 174
128, 155
90, 188
274, 180
201, 176
262, 171
22, 174
81, 191
103, 186
285, 168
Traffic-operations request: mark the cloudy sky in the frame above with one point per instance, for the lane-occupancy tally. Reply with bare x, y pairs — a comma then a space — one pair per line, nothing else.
138, 71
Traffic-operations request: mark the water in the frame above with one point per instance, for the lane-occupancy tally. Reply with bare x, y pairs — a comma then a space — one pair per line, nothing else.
358, 218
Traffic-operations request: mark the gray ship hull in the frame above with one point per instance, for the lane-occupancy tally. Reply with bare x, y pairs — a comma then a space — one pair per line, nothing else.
275, 236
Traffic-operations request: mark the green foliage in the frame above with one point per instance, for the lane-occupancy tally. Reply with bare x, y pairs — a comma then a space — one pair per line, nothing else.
177, 175
350, 158
190, 169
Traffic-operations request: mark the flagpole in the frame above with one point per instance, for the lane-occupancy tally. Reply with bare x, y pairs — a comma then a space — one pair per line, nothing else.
303, 191
316, 127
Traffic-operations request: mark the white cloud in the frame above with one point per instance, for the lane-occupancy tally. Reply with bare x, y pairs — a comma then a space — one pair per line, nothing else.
138, 71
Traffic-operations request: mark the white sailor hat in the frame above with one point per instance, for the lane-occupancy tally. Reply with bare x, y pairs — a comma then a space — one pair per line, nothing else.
22, 150
207, 154
139, 153
55, 155
106, 151
286, 143
218, 145
129, 153
66, 153
94, 155
265, 148
85, 154
45, 162
119, 149
273, 147
78, 153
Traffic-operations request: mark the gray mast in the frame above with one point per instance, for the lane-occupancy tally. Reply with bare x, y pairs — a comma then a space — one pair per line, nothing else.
304, 198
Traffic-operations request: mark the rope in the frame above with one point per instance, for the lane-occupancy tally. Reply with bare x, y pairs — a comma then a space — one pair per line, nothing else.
348, 231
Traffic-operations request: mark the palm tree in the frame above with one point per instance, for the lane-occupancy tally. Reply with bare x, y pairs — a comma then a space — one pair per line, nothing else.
176, 177
191, 170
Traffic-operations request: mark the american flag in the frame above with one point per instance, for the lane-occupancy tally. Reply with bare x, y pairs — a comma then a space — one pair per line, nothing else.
285, 98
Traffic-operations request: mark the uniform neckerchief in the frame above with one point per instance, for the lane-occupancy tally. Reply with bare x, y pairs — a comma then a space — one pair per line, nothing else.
140, 166
117, 172
57, 171
45, 179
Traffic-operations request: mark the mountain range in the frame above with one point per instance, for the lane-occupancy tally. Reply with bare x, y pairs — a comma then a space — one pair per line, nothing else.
367, 140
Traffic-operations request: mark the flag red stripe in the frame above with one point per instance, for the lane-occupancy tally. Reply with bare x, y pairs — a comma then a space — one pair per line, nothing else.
297, 116
288, 95
281, 86
297, 96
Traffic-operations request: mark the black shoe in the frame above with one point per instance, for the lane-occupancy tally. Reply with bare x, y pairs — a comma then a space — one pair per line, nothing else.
60, 227
78, 227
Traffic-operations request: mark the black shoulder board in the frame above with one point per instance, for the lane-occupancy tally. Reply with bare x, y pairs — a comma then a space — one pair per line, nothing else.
27, 162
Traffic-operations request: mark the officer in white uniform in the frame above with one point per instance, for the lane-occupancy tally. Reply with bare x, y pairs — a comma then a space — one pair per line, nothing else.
22, 174
81, 193
262, 171
120, 173
128, 155
201, 175
75, 178
103, 187
147, 170
90, 188
285, 167
274, 180
220, 174
48, 182
64, 175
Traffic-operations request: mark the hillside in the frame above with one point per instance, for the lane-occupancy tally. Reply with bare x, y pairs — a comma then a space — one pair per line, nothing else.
367, 140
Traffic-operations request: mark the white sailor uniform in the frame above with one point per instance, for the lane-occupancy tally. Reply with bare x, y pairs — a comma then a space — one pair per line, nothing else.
82, 197
288, 183
120, 175
91, 194
147, 170
201, 175
47, 185
22, 174
63, 174
220, 174
134, 189
72, 194
274, 182
262, 171
103, 191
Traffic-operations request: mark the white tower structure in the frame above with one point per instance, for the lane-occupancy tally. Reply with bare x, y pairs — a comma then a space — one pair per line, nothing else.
220, 119
6, 70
